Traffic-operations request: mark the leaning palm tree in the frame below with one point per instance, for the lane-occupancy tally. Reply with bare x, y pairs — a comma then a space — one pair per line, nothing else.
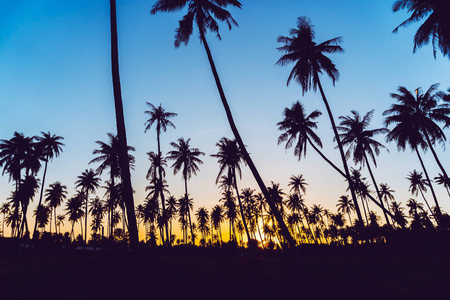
415, 120
435, 27
185, 160
88, 181
361, 145
204, 13
160, 117
55, 196
127, 188
310, 61
50, 146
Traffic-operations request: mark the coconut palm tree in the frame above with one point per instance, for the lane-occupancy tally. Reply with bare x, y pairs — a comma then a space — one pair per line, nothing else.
59, 221
217, 217
418, 184
54, 196
97, 209
230, 211
42, 214
74, 210
88, 182
202, 216
360, 142
28, 189
160, 117
4, 210
127, 193
297, 184
345, 205
386, 194
185, 160
50, 146
310, 61
414, 120
204, 13
441, 180
230, 158
435, 27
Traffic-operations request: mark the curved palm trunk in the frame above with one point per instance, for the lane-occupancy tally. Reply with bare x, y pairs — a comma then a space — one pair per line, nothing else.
189, 211
439, 213
341, 150
247, 158
121, 132
41, 194
377, 190
325, 158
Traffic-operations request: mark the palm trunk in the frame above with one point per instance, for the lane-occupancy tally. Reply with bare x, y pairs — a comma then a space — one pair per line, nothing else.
436, 157
121, 132
246, 155
189, 210
439, 213
161, 191
41, 194
377, 190
341, 150
241, 209
428, 205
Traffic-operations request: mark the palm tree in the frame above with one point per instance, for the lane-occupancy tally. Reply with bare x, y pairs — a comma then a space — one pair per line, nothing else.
108, 157
121, 132
202, 216
360, 142
60, 221
28, 188
230, 212
217, 217
42, 214
386, 193
171, 203
436, 26
414, 119
204, 13
230, 158
159, 116
418, 184
4, 210
298, 183
88, 181
310, 61
55, 196
74, 210
50, 146
187, 161
345, 205
441, 180
97, 209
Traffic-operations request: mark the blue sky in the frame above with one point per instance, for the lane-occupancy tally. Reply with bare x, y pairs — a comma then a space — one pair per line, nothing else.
55, 76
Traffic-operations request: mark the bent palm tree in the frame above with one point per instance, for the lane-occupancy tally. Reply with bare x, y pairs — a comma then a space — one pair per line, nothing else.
310, 61
204, 13
436, 26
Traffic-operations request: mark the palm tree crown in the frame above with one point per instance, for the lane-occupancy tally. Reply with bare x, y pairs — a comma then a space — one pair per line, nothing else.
186, 158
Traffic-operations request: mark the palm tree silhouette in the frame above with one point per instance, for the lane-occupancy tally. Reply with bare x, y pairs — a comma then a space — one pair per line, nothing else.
436, 26
185, 160
414, 120
127, 193
204, 13
345, 205
440, 179
60, 221
230, 211
108, 157
88, 181
202, 216
298, 183
50, 146
74, 210
97, 209
159, 116
4, 210
55, 196
230, 158
360, 142
310, 61
418, 184
28, 188
386, 193
217, 217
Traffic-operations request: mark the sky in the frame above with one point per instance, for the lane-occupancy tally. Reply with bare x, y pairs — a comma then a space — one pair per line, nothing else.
55, 76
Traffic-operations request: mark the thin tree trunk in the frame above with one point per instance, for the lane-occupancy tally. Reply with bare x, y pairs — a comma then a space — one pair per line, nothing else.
85, 217
242, 209
376, 188
189, 210
121, 132
246, 155
161, 185
41, 194
341, 150
439, 214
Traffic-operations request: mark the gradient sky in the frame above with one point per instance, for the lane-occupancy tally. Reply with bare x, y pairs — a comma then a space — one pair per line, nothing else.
55, 76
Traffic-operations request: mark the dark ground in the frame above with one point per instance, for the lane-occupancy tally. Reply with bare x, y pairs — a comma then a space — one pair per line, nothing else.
320, 272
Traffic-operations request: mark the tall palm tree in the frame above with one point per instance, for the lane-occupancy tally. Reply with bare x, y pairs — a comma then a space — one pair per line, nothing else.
345, 205
74, 210
204, 13
436, 26
415, 120
88, 181
230, 211
55, 196
121, 131
28, 188
418, 184
310, 61
108, 157
297, 184
50, 146
230, 158
386, 193
360, 142
217, 217
202, 216
97, 209
185, 160
60, 221
160, 117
